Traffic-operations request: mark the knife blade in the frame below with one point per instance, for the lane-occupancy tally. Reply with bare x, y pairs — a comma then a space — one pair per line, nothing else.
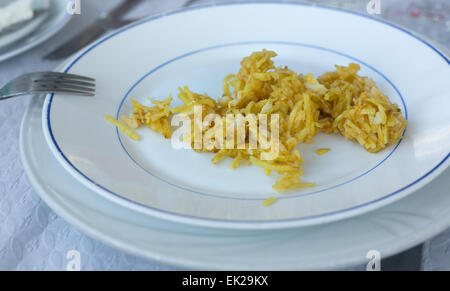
106, 22
122, 9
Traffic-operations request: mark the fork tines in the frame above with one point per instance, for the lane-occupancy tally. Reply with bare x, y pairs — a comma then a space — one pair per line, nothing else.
65, 83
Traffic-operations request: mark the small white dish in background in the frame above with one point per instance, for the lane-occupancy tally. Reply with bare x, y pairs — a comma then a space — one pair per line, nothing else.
14, 12
48, 17
155, 56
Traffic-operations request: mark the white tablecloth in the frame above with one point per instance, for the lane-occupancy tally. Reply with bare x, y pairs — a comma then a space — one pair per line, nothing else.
33, 237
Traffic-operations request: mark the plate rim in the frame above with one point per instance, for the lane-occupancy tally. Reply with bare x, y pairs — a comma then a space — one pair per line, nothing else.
237, 224
96, 232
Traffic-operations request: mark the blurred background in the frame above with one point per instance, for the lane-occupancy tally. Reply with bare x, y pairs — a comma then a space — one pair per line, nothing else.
46, 236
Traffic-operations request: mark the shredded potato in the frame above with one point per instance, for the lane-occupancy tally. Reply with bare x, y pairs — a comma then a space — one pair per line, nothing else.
123, 128
321, 152
155, 118
269, 201
340, 101
361, 112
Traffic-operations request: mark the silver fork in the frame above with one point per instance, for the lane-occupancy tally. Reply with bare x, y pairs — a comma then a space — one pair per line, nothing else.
48, 82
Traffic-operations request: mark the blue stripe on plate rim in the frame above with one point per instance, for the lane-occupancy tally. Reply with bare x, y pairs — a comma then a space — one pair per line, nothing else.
91, 47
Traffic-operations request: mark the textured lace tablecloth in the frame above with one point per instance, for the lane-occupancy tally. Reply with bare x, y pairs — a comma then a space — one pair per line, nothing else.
33, 237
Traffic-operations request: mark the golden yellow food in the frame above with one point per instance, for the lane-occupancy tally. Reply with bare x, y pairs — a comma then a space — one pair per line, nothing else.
123, 128
293, 105
321, 152
269, 201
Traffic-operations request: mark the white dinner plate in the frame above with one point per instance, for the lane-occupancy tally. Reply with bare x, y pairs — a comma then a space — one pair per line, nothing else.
35, 31
151, 58
389, 230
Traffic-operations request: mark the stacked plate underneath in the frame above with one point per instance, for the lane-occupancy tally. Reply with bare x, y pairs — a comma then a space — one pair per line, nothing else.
152, 200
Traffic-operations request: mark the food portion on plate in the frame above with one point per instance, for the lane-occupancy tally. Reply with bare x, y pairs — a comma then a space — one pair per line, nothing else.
287, 109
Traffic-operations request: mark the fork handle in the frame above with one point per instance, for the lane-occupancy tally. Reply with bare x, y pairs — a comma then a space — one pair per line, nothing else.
8, 92
5, 93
